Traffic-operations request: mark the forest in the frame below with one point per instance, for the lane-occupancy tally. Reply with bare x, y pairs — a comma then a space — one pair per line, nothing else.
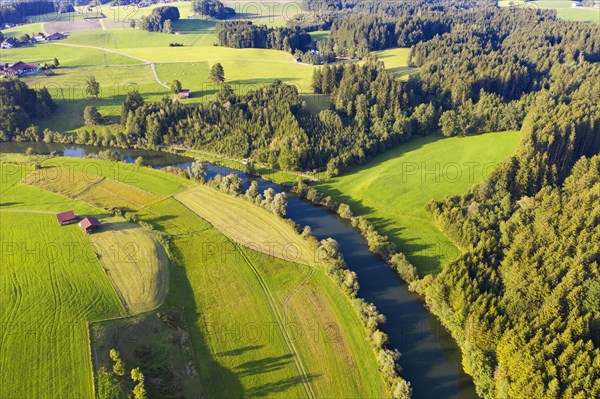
244, 34
523, 301
17, 11
19, 105
160, 19
213, 8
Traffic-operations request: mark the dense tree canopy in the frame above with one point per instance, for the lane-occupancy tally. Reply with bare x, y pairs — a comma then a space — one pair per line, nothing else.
522, 300
244, 34
213, 8
155, 22
20, 105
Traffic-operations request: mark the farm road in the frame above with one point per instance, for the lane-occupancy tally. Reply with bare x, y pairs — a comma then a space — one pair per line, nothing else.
151, 63
146, 62
286, 334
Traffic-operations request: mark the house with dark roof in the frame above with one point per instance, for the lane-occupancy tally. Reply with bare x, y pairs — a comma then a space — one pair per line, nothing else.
89, 224
19, 68
55, 36
9, 42
66, 217
40, 37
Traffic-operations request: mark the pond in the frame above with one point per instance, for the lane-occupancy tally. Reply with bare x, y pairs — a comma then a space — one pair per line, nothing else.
431, 360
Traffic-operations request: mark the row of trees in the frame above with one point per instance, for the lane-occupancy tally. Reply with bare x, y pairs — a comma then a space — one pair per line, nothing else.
244, 34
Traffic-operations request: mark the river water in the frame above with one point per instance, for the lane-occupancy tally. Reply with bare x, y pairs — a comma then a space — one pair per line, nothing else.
430, 358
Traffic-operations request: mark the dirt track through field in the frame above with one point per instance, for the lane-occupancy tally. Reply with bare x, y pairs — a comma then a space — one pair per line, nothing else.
281, 323
146, 62
151, 64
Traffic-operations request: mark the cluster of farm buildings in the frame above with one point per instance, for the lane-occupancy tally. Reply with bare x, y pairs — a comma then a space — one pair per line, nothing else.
21, 68
11, 42
87, 224
18, 69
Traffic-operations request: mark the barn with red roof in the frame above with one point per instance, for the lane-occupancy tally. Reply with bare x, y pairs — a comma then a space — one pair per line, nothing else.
66, 217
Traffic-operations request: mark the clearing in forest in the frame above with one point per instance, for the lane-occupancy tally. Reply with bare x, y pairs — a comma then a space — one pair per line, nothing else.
393, 188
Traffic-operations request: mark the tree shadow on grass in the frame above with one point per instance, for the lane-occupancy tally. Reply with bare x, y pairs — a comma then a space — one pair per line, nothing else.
278, 386
239, 351
160, 219
10, 203
214, 377
262, 366
194, 25
427, 257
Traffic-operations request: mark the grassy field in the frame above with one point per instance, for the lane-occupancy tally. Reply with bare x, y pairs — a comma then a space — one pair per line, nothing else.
144, 178
68, 56
396, 61
563, 7
249, 324
319, 35
92, 189
256, 344
393, 189
135, 262
52, 285
248, 224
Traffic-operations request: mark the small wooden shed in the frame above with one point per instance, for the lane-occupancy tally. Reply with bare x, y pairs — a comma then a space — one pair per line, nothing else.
89, 224
66, 217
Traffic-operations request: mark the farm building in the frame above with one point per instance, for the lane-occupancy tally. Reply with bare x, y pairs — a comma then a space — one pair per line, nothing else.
40, 37
577, 4
185, 93
9, 42
66, 217
18, 69
89, 224
55, 36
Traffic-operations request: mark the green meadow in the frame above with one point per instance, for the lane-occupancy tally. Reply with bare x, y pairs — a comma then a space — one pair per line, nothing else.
564, 9
118, 56
396, 61
251, 324
52, 286
393, 188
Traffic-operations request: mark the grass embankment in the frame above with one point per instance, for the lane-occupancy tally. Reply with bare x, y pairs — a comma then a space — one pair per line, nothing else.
248, 224
52, 285
135, 263
145, 178
392, 189
92, 189
251, 333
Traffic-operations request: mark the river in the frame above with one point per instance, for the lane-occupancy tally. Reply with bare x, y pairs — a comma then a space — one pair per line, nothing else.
430, 358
